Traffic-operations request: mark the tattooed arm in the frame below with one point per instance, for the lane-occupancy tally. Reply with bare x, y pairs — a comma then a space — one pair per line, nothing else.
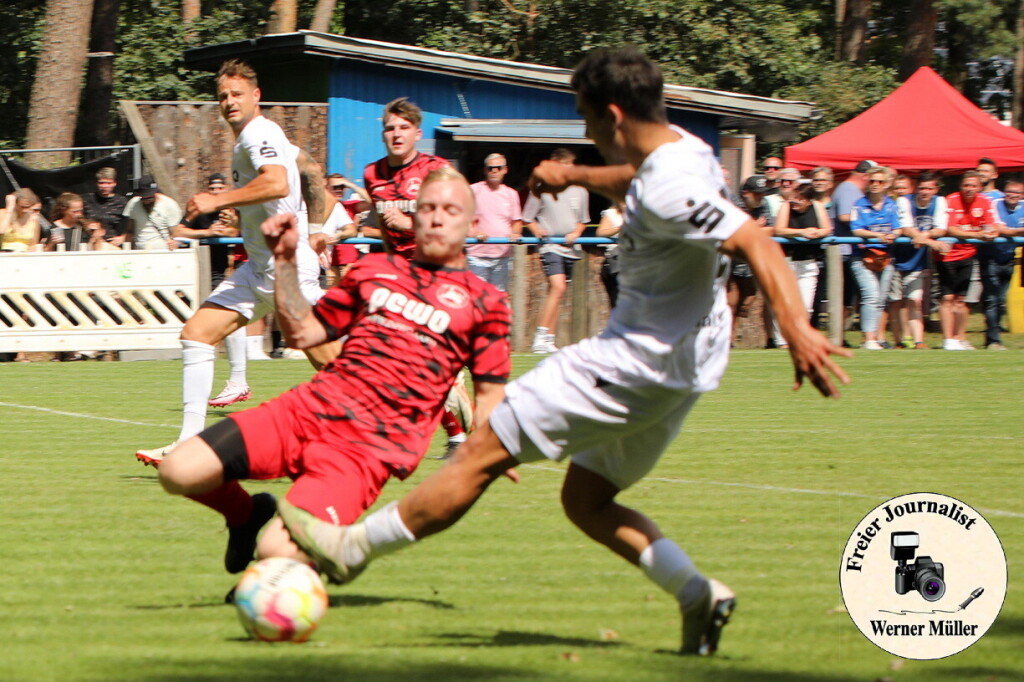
301, 327
319, 202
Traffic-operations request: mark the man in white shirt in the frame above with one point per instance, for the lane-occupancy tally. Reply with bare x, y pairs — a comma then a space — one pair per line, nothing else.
267, 182
152, 216
614, 401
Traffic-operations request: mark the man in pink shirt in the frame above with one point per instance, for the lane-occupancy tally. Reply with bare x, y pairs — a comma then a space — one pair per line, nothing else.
498, 214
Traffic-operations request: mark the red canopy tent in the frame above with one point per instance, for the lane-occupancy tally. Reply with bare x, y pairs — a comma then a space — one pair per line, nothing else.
924, 124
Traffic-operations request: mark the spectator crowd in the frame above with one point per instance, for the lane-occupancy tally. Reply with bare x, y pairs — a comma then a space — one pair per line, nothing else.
891, 286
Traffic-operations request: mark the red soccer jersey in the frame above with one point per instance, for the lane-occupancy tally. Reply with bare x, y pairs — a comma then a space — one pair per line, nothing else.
970, 219
398, 187
411, 327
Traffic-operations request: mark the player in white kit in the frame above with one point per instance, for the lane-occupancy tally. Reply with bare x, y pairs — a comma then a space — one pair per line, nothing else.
612, 403
267, 182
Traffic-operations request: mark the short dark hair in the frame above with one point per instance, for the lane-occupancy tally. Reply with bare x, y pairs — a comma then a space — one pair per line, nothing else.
988, 161
402, 107
807, 191
623, 76
236, 68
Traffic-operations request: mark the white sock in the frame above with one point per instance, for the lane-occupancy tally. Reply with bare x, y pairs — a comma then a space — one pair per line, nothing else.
235, 345
670, 568
386, 533
254, 344
196, 384
541, 335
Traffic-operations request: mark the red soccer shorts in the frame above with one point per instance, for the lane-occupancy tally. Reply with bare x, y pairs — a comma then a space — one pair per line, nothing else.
335, 484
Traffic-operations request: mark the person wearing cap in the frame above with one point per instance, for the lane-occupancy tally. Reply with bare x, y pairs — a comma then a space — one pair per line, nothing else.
151, 217
844, 197
742, 288
105, 207
223, 223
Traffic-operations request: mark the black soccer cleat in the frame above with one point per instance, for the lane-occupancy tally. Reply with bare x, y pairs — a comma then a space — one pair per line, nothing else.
242, 539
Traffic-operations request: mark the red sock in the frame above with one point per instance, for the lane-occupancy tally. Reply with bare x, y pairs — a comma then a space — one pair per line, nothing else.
451, 424
230, 500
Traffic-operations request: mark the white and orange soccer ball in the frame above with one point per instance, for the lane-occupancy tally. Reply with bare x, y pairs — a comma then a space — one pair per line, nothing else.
280, 600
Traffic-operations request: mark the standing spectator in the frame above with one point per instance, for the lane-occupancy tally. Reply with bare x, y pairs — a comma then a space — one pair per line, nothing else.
789, 180
805, 217
875, 216
611, 223
105, 207
67, 227
907, 292
971, 216
152, 216
222, 223
844, 197
996, 261
20, 225
823, 182
498, 214
565, 214
989, 173
771, 168
741, 288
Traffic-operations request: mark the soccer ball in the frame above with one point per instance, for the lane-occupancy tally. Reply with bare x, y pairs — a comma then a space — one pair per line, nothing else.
280, 600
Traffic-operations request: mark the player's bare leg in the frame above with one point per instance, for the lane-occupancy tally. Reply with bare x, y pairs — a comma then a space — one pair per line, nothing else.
589, 501
194, 470
342, 552
209, 326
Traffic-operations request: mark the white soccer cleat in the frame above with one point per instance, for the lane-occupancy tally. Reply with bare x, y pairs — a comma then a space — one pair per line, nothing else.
232, 393
544, 344
152, 458
293, 354
256, 355
703, 622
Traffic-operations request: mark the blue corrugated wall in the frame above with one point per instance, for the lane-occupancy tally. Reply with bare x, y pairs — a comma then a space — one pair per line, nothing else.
358, 92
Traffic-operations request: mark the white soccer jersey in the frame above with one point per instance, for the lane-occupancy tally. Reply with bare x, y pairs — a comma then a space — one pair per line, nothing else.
262, 142
671, 306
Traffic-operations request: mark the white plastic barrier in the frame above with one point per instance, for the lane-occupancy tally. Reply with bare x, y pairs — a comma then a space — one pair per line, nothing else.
98, 300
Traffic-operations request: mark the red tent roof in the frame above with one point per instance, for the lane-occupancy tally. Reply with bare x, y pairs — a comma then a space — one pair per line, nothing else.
923, 124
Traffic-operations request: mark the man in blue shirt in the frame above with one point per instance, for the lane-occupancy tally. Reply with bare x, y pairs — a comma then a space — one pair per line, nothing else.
989, 172
996, 261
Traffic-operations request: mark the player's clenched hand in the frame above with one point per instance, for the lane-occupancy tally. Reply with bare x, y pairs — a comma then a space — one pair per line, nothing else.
281, 233
201, 203
812, 355
549, 176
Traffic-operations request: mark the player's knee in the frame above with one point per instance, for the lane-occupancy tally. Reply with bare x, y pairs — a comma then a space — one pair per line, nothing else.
172, 476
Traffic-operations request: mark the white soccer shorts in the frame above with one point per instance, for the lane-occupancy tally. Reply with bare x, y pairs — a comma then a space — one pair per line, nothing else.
564, 407
250, 292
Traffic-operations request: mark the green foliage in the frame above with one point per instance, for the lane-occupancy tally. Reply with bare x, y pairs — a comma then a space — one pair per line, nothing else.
841, 91
21, 24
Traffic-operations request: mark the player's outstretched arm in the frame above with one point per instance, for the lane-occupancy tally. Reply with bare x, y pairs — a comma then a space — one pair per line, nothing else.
301, 328
486, 394
270, 183
810, 351
553, 177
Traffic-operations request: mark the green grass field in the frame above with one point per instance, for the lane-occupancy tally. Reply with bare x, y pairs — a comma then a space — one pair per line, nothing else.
107, 578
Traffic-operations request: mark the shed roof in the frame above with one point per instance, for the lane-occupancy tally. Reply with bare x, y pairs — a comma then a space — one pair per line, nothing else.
736, 110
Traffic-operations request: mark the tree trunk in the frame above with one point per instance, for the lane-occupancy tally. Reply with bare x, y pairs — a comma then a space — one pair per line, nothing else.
1017, 121
855, 30
956, 55
323, 15
920, 43
94, 121
284, 17
53, 108
190, 10
840, 17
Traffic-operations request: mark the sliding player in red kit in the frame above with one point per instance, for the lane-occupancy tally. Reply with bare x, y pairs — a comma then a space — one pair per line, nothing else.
412, 324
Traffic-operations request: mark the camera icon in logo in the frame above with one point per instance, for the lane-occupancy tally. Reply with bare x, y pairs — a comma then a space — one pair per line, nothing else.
924, 575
